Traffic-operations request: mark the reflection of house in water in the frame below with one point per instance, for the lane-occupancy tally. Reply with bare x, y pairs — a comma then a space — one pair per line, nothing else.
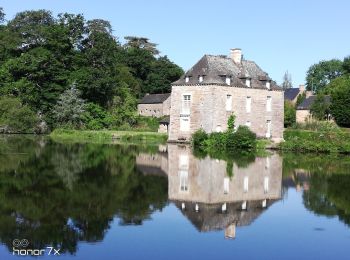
211, 199
153, 164
207, 196
298, 179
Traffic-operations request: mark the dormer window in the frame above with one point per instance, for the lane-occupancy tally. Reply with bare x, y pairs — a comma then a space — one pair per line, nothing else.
200, 79
228, 80
247, 82
268, 84
187, 79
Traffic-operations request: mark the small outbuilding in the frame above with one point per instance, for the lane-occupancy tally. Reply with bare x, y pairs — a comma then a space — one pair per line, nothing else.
303, 113
155, 105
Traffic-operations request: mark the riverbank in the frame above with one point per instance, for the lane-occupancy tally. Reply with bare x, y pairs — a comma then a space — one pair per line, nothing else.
108, 136
334, 141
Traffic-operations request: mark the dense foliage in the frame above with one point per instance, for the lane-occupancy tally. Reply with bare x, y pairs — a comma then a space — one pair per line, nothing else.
42, 56
331, 78
328, 139
289, 114
242, 139
322, 73
15, 117
340, 94
320, 109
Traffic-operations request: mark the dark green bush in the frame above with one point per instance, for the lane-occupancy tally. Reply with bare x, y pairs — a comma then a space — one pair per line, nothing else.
16, 117
199, 137
97, 118
242, 139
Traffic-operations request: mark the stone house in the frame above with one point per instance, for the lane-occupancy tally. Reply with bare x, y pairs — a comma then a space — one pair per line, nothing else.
303, 113
156, 105
292, 94
219, 86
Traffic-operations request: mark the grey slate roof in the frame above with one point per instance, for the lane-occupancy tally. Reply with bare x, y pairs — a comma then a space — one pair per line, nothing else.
210, 218
291, 93
154, 98
307, 103
215, 68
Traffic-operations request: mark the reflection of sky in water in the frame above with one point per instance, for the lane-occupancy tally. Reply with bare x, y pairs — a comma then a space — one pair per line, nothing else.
285, 231
287, 228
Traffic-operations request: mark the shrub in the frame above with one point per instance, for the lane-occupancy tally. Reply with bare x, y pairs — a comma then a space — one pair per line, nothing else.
217, 140
96, 118
320, 126
15, 117
69, 109
199, 137
289, 114
231, 123
242, 139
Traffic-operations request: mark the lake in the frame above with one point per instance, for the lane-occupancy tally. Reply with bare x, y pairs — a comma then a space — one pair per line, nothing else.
89, 201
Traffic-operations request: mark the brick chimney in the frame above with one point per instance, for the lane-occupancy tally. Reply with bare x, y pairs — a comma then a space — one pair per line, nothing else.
236, 55
302, 87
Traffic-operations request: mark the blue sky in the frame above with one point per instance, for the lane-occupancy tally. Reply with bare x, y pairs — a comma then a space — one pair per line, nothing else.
279, 35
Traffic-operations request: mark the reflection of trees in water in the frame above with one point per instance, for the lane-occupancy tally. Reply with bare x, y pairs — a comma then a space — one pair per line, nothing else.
329, 195
69, 193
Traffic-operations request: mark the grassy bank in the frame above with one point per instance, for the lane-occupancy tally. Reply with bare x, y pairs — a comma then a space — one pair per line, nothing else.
106, 136
335, 141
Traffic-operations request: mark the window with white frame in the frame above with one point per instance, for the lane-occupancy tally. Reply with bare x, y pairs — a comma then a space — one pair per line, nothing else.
248, 123
184, 124
183, 172
268, 84
226, 185
183, 161
228, 80
200, 79
269, 104
266, 184
268, 128
248, 105
187, 79
183, 180
186, 104
228, 102
245, 184
247, 82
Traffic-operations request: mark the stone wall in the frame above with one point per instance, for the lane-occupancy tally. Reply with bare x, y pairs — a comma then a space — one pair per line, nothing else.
155, 110
303, 115
208, 110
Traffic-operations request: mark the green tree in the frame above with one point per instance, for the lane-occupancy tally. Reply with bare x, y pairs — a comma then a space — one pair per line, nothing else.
15, 117
2, 15
340, 94
69, 109
289, 114
346, 64
97, 75
163, 73
320, 108
321, 74
141, 43
300, 99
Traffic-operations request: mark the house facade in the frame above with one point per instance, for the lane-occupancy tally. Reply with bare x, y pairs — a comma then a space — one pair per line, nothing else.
303, 113
156, 105
219, 86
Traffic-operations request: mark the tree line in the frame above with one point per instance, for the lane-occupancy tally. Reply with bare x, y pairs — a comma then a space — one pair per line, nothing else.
325, 78
69, 71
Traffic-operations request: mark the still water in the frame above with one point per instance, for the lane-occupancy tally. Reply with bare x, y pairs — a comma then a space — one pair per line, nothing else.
90, 201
